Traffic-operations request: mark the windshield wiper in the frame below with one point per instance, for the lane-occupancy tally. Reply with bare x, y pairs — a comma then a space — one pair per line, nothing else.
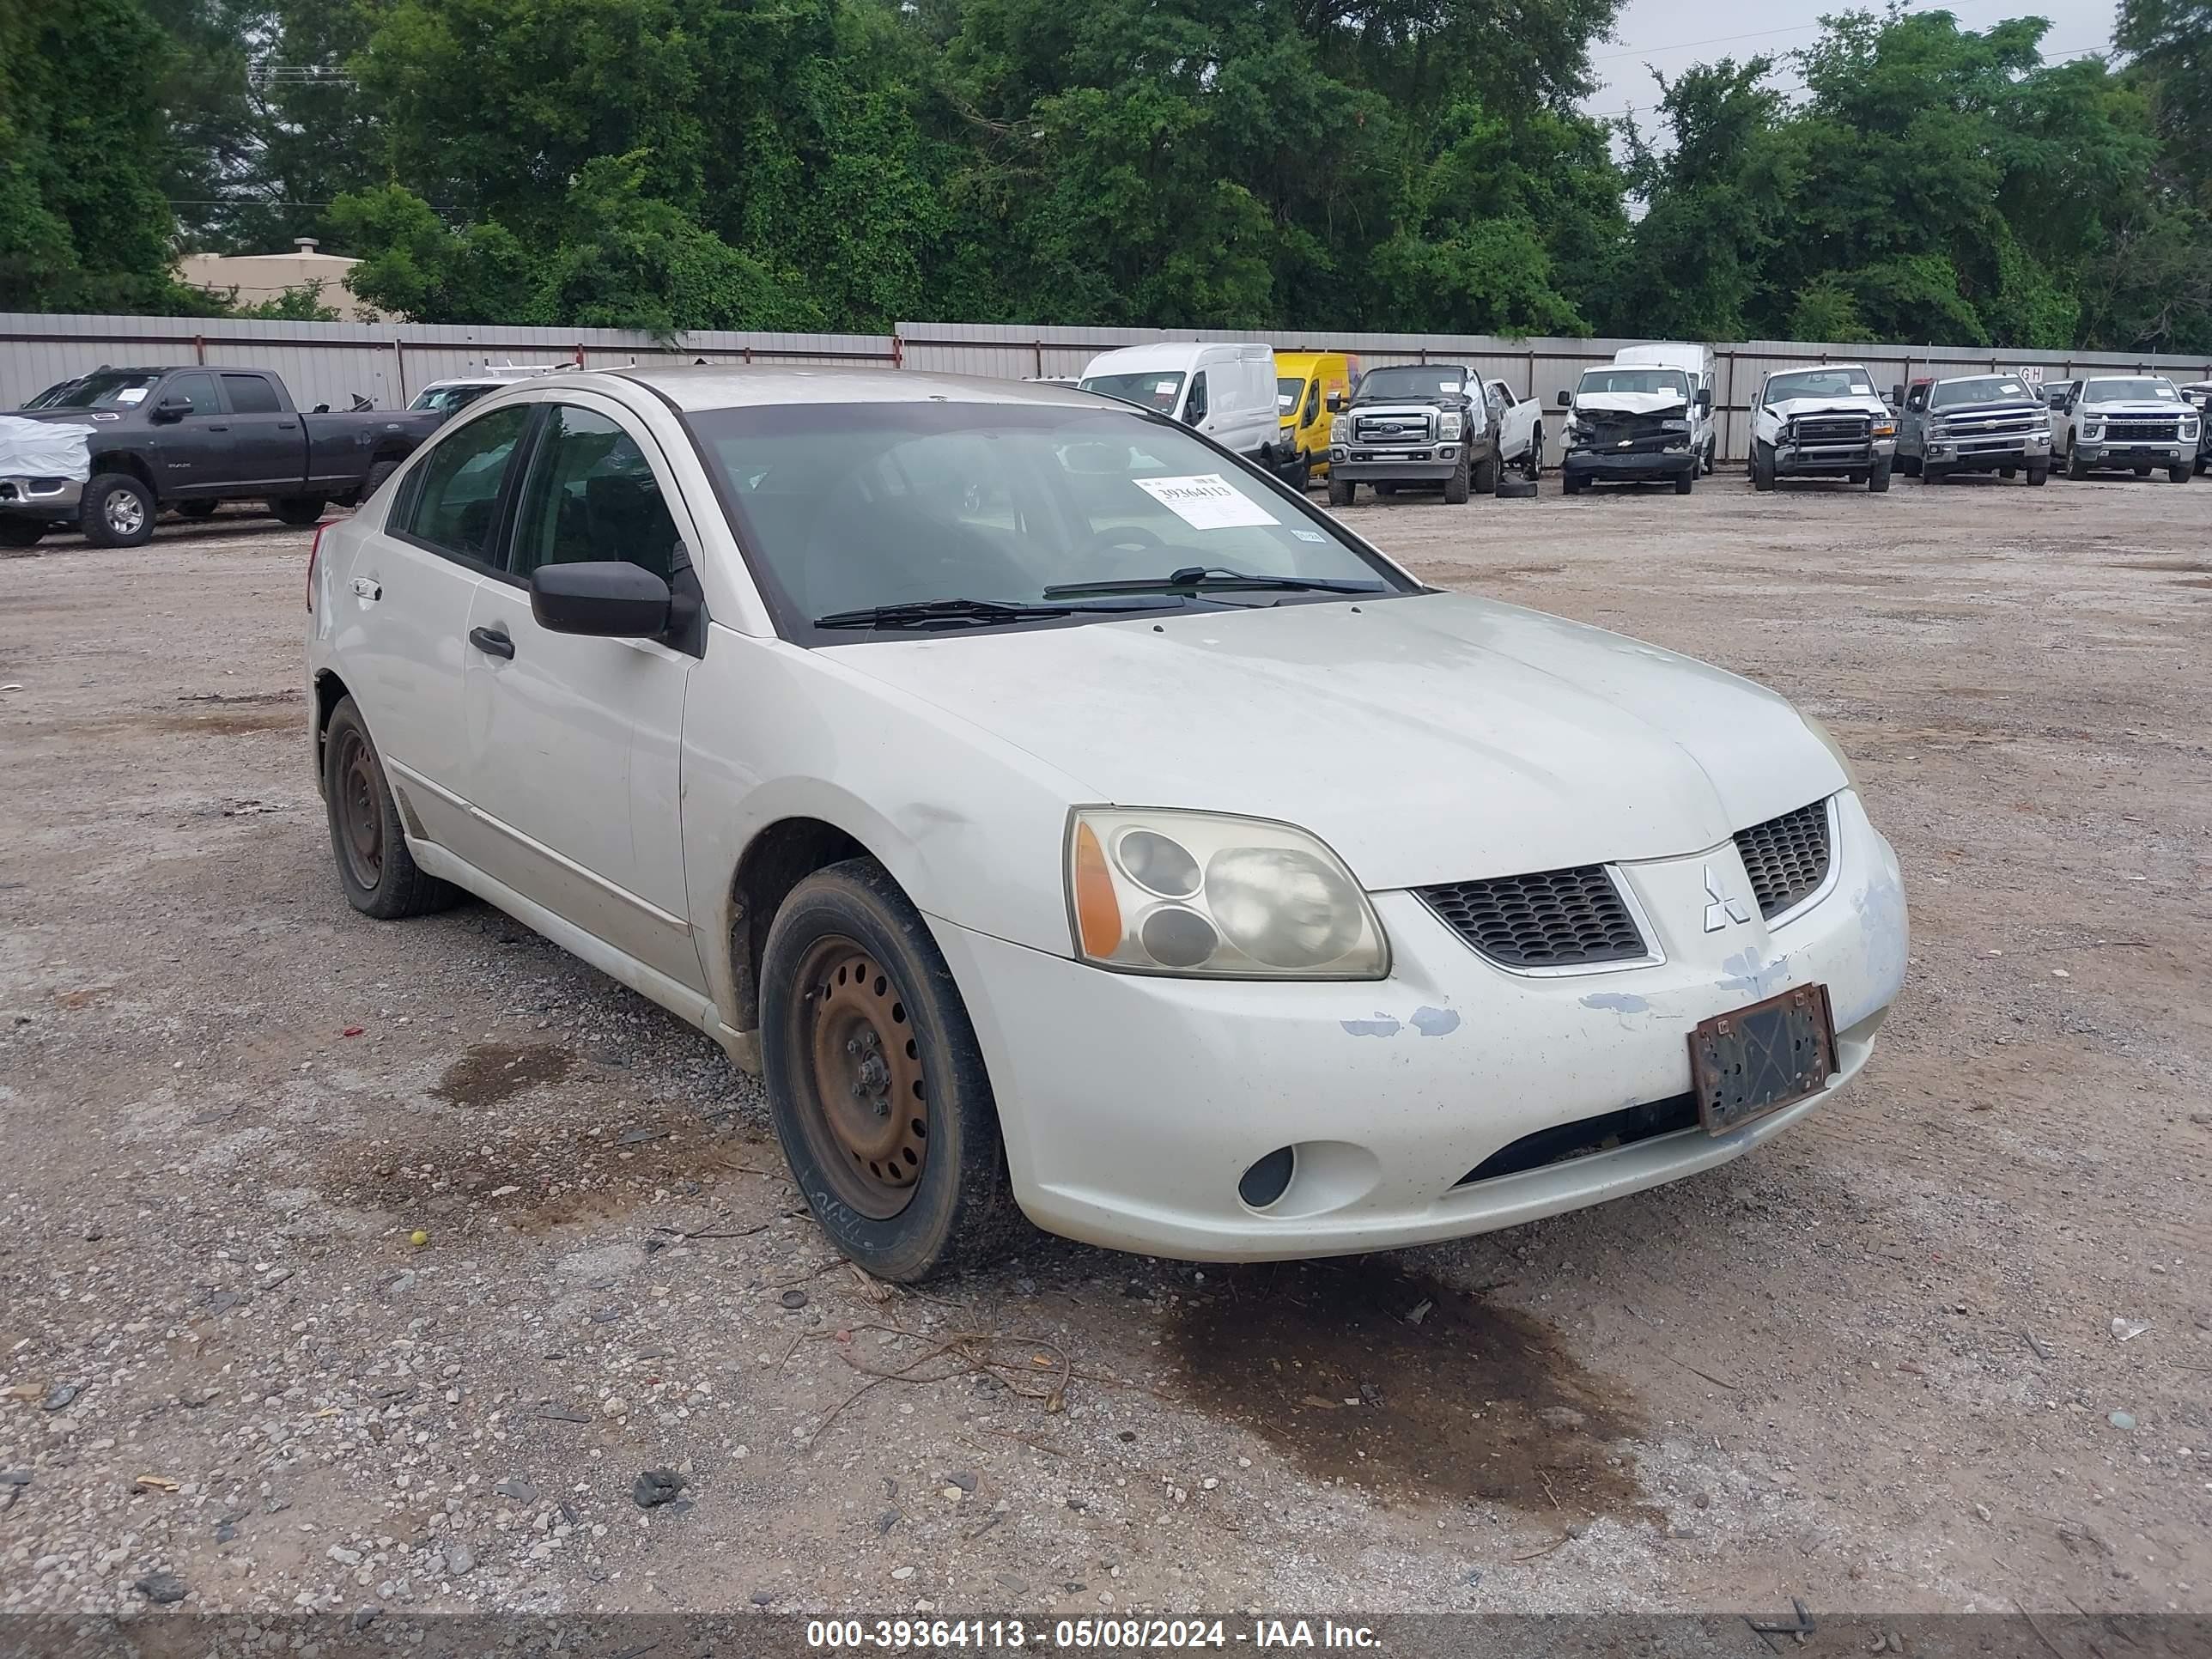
1217, 578
952, 613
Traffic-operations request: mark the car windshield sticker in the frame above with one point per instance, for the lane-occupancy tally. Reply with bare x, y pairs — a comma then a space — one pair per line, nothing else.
2013, 389
131, 394
1206, 502
1164, 388
1308, 535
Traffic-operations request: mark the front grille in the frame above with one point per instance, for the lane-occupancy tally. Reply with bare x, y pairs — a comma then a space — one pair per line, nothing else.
1392, 429
1786, 858
2142, 432
1553, 919
1831, 429
1978, 426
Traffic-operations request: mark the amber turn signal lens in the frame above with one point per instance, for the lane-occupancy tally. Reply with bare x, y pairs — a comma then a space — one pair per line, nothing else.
1098, 914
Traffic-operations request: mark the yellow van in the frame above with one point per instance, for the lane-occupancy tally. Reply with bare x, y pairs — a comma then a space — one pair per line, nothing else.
1306, 384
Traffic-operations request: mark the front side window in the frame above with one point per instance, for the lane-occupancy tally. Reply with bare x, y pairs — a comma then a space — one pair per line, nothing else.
591, 496
198, 390
1194, 411
250, 394
842, 507
457, 498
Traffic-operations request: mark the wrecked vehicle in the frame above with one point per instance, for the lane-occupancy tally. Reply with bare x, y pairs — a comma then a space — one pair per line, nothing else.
1072, 821
1414, 424
1822, 423
1633, 425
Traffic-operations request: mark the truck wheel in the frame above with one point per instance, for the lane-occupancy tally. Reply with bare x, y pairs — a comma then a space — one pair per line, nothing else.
1340, 491
1762, 465
298, 509
1384, 492
20, 533
1909, 465
117, 510
2142, 472
1570, 484
2039, 472
1687, 481
2179, 474
1455, 487
1710, 463
1878, 480
377, 475
2076, 468
198, 509
1933, 472
1532, 462
1302, 483
2007, 472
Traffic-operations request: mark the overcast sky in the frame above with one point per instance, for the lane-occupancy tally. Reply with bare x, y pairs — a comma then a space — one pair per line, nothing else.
1672, 34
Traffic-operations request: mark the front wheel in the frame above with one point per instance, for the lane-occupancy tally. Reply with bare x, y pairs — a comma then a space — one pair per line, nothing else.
876, 1081
1532, 461
1878, 480
377, 873
21, 532
1932, 472
2179, 474
2142, 472
298, 509
1339, 490
1909, 464
116, 510
1572, 483
1686, 482
1762, 465
1710, 462
2039, 472
1302, 480
1487, 474
1455, 487
2076, 468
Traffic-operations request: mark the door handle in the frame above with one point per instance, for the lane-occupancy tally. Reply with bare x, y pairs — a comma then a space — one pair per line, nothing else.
218, 428
287, 426
492, 643
365, 589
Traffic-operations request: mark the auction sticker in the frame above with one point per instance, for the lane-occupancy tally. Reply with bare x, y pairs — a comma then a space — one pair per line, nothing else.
1206, 502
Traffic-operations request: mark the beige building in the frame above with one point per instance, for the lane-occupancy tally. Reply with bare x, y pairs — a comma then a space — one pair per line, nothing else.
258, 277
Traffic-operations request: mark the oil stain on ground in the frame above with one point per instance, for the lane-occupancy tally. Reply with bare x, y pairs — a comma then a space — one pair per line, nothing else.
493, 1072
1361, 1370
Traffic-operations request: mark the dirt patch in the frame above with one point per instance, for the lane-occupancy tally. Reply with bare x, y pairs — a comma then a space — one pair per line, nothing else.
2187, 566
493, 1072
227, 722
1361, 1371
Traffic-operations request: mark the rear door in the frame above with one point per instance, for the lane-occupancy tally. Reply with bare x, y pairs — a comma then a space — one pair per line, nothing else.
268, 445
574, 741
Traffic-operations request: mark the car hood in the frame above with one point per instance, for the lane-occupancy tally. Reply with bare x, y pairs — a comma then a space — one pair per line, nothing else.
2156, 407
1427, 739
1790, 408
1629, 402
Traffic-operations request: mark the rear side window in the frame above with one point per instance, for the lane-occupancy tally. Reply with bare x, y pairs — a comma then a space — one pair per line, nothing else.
456, 499
252, 395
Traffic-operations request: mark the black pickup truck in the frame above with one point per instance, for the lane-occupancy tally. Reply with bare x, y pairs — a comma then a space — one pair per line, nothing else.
192, 437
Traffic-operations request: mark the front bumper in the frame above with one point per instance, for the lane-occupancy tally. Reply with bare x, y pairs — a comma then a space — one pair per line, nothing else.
1626, 466
54, 499
2101, 453
1830, 459
1132, 1106
1430, 463
1987, 454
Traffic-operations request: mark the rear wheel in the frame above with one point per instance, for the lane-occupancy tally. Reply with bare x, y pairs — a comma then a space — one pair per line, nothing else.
377, 475
1339, 490
1878, 480
1301, 478
198, 509
379, 875
1762, 465
298, 509
2179, 474
1455, 487
20, 533
876, 1081
116, 510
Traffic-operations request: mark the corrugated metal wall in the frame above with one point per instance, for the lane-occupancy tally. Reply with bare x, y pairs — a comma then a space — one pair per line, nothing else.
389, 364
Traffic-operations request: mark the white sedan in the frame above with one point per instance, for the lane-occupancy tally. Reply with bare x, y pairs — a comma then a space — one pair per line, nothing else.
1071, 822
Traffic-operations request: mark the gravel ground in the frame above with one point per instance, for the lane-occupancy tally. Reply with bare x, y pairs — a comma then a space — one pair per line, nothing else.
346, 1265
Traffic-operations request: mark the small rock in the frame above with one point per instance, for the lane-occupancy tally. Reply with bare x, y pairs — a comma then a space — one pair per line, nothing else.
1561, 1417
654, 1487
1982, 1511
345, 1557
162, 1587
1576, 1529
15, 1477
605, 1316
793, 1299
886, 1522
520, 1490
902, 1573
761, 1598
461, 1561
2127, 1330
226, 1531
2122, 1420
61, 1394
1703, 1499
614, 1406
964, 1479
364, 1617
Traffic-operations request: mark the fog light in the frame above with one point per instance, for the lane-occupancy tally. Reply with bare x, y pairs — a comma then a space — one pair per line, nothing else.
1267, 1179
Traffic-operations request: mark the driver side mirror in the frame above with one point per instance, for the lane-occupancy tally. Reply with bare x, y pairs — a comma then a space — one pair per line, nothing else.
1897, 397
606, 598
1336, 403
1566, 400
1705, 400
173, 408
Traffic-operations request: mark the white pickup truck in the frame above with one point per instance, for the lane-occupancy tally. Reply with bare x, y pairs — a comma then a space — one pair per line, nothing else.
2126, 423
1520, 423
1826, 421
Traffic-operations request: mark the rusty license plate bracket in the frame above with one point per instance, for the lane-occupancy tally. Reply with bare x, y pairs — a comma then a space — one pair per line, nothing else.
1750, 1061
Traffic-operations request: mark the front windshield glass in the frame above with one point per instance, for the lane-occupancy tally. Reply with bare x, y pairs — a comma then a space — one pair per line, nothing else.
1820, 383
1635, 379
2145, 390
111, 389
844, 507
445, 399
1153, 390
1288, 391
1412, 380
1982, 389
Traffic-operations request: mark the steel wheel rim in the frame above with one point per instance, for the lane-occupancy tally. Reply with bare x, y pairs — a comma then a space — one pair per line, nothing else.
125, 512
863, 1094
361, 819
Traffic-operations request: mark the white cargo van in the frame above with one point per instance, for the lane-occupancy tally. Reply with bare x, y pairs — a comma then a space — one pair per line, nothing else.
1696, 361
1226, 392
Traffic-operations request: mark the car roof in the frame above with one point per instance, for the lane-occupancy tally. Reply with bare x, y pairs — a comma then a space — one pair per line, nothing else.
698, 389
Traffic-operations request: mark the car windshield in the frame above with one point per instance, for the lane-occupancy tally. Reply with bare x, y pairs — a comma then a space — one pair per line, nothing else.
112, 389
1153, 390
1415, 381
1982, 389
1820, 383
847, 507
1288, 391
2144, 390
1635, 379
445, 399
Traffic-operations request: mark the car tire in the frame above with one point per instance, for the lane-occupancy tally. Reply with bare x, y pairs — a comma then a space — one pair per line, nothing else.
198, 509
1384, 492
298, 509
1340, 491
1686, 482
1572, 483
2142, 472
2076, 469
1455, 487
377, 475
1710, 460
1909, 464
1932, 472
116, 510
1531, 459
20, 533
2039, 472
376, 871
2179, 474
1877, 481
876, 1081
1762, 465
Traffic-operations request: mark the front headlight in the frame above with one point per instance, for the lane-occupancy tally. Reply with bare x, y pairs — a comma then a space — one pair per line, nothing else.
1828, 741
1579, 432
1449, 423
2092, 428
1208, 896
2189, 428
1885, 428
1340, 430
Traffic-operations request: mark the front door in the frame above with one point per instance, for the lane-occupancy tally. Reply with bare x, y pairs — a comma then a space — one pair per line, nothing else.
189, 453
575, 741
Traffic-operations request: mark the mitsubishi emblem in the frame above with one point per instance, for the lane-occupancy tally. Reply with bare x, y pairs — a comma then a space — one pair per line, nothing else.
1723, 909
